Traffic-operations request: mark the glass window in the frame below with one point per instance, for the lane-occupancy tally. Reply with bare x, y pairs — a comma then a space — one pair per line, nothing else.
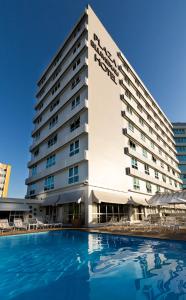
75, 124
52, 141
73, 175
144, 151
148, 187
49, 183
143, 137
34, 170
136, 184
75, 102
74, 148
134, 163
51, 160
147, 171
156, 174
131, 127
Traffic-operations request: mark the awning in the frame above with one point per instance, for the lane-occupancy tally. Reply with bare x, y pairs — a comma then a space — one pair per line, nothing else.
107, 197
137, 200
51, 201
71, 197
14, 207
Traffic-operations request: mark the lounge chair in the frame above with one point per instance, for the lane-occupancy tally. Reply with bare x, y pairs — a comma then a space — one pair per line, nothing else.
5, 226
18, 224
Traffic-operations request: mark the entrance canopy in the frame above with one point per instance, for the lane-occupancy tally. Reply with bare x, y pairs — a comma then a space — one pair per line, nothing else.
107, 197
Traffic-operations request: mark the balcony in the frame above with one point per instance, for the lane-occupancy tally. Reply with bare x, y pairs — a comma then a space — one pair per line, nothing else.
70, 161
64, 98
136, 136
50, 70
143, 176
150, 163
83, 104
83, 129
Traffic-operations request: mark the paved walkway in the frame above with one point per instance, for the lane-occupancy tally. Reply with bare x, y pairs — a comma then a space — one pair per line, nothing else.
168, 235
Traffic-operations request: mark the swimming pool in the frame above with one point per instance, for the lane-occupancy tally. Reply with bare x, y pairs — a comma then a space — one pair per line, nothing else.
89, 266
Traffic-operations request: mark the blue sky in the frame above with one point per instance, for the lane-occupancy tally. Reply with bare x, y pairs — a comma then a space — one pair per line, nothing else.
151, 33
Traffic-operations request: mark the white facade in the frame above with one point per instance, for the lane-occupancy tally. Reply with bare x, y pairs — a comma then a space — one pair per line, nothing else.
97, 128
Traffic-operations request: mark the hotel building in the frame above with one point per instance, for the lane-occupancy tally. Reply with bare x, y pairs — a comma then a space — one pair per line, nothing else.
5, 171
100, 140
179, 130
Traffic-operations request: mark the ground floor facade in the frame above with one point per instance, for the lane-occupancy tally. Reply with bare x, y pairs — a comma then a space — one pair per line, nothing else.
86, 206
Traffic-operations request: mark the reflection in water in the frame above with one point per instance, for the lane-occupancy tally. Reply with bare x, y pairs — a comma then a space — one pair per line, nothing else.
78, 265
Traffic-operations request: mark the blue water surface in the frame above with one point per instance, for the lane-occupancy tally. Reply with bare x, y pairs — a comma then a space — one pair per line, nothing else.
71, 264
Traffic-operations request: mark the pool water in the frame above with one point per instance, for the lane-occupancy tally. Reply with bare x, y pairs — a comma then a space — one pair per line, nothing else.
71, 264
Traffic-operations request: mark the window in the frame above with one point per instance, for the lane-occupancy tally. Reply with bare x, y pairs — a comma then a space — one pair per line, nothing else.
49, 183
181, 157
156, 174
56, 87
52, 141
34, 170
132, 145
75, 124
164, 178
144, 151
76, 47
131, 127
160, 152
150, 130
181, 148
170, 181
134, 163
152, 145
40, 106
148, 187
136, 184
75, 82
129, 109
54, 104
51, 160
75, 102
128, 94
179, 131
36, 152
74, 148
143, 137
153, 159
53, 121
147, 169
158, 189
141, 121
139, 106
162, 165
37, 136
76, 64
73, 175
32, 189
138, 94
39, 119
58, 70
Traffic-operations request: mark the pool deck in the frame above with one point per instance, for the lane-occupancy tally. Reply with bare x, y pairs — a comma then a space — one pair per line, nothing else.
179, 235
